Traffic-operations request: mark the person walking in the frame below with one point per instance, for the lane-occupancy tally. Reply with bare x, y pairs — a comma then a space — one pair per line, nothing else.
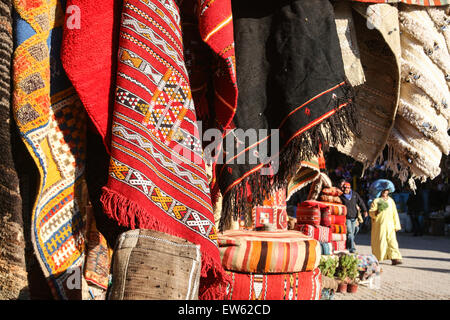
415, 209
385, 224
351, 199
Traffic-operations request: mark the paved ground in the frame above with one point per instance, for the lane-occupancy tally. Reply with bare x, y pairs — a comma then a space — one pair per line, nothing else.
424, 274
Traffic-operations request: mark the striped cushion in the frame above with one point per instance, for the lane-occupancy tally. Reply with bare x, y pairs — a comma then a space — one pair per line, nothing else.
327, 248
340, 220
308, 214
332, 191
288, 286
338, 237
320, 233
268, 251
335, 208
338, 228
338, 245
332, 199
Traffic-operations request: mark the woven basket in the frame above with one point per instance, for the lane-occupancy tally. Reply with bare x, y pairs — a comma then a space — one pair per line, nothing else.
150, 265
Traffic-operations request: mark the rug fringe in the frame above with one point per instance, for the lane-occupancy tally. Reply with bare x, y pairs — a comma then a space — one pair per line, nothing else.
335, 130
214, 284
128, 213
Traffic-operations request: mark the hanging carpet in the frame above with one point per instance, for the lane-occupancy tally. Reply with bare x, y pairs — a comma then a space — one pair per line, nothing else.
309, 171
157, 178
89, 56
420, 134
377, 34
51, 121
291, 78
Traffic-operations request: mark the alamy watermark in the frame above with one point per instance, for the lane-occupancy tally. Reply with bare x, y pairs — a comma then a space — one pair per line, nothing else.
73, 20
258, 147
254, 147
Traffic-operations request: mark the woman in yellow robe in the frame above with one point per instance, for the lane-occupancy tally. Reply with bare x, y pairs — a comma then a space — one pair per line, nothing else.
385, 223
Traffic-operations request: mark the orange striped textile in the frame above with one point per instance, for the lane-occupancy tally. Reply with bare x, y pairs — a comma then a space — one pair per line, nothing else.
268, 251
338, 228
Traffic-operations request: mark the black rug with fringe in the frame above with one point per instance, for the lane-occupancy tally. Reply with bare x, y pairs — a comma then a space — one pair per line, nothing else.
291, 77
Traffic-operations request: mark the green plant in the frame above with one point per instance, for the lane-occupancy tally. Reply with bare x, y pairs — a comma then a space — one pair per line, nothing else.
348, 268
328, 266
353, 272
382, 205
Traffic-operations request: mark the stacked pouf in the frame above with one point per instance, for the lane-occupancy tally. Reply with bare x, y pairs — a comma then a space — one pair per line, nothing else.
339, 232
271, 265
325, 222
338, 212
309, 222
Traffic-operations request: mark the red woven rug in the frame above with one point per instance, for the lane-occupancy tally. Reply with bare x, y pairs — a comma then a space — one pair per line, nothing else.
89, 54
216, 29
157, 177
287, 286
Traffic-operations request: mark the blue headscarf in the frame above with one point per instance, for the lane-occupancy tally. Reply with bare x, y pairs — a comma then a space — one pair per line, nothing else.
379, 186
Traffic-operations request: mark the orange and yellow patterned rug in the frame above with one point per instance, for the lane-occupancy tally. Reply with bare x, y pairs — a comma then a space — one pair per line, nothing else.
51, 121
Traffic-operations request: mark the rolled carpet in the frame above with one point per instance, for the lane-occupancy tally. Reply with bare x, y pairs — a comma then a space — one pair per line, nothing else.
268, 251
288, 286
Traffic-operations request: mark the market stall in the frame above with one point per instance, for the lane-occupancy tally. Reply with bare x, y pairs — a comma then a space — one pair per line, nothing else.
192, 123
